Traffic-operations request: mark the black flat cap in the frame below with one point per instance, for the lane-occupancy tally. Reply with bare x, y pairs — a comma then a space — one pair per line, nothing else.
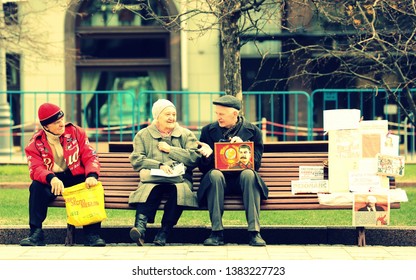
228, 101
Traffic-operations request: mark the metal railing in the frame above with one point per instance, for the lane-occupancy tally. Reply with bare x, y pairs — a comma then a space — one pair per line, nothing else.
195, 110
102, 114
118, 115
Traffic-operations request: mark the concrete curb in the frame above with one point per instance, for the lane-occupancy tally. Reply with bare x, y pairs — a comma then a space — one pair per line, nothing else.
282, 235
274, 235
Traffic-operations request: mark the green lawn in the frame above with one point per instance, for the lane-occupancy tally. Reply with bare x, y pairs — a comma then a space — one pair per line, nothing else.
14, 209
19, 173
14, 173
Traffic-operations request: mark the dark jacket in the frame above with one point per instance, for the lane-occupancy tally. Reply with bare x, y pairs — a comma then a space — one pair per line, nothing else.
212, 133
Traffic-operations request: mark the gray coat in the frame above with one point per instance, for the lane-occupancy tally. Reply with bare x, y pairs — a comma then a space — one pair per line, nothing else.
146, 155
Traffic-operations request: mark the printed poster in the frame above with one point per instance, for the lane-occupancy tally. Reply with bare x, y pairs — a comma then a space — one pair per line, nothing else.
309, 186
234, 156
371, 209
364, 182
344, 153
390, 165
372, 133
390, 145
311, 172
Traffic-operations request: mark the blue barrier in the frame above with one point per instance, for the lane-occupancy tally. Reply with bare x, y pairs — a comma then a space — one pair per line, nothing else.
281, 115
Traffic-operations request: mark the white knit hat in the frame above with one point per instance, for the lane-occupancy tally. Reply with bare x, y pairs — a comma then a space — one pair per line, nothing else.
159, 106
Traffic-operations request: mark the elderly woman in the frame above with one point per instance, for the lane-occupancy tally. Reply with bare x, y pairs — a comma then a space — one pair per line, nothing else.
162, 145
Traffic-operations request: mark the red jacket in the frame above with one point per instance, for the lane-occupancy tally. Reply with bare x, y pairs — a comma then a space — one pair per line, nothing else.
79, 156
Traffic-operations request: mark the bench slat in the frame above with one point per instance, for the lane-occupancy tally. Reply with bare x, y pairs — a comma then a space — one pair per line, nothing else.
280, 166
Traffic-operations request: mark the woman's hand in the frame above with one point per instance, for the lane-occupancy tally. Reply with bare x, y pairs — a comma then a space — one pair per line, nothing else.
164, 147
166, 168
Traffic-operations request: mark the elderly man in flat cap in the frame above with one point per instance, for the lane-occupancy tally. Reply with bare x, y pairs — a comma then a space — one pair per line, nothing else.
230, 127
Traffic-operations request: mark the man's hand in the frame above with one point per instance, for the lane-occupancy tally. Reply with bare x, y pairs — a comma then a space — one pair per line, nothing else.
90, 182
57, 186
205, 149
236, 139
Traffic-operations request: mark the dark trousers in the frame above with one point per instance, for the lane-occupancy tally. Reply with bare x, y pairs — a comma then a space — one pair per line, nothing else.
40, 196
243, 183
172, 211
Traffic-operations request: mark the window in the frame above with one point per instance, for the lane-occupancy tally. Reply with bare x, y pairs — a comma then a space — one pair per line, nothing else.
121, 47
10, 13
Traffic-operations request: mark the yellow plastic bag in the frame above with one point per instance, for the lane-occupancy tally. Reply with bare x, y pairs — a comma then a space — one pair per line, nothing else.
84, 206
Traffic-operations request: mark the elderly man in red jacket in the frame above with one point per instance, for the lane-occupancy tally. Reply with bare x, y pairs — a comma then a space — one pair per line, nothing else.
58, 156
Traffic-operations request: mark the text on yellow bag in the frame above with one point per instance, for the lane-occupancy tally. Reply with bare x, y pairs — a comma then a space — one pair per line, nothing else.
84, 206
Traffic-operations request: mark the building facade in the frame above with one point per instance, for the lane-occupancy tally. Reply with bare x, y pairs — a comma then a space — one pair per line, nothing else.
95, 46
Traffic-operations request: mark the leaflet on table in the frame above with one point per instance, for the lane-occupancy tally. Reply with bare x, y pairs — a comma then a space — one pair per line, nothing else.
178, 169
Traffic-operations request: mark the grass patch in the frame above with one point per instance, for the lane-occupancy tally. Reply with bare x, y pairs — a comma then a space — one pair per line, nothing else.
409, 174
14, 211
14, 173
20, 173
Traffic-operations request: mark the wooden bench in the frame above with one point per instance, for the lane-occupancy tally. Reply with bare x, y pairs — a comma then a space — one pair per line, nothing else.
280, 165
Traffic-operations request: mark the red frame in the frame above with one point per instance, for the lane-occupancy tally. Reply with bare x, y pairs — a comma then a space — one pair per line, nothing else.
226, 155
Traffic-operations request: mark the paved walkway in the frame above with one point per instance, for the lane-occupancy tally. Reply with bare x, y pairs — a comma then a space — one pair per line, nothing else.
178, 261
200, 252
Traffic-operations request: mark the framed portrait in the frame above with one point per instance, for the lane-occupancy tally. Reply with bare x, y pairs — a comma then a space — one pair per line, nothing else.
234, 156
371, 209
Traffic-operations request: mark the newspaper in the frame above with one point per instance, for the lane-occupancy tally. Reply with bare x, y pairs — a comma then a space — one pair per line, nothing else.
178, 169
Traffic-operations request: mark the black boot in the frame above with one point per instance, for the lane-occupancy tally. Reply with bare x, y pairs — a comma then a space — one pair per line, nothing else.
36, 238
138, 231
92, 237
94, 240
162, 235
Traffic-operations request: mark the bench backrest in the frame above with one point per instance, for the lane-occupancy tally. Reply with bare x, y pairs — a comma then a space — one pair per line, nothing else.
278, 169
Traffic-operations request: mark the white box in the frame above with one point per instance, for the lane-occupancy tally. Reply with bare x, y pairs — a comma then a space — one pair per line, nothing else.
341, 119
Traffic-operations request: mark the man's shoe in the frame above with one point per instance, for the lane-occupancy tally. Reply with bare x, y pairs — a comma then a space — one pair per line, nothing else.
137, 236
94, 240
216, 238
256, 240
36, 238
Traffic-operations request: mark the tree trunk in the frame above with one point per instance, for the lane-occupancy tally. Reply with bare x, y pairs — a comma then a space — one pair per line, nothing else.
299, 16
230, 42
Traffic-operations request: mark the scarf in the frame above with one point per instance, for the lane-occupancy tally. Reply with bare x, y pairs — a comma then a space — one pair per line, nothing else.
232, 131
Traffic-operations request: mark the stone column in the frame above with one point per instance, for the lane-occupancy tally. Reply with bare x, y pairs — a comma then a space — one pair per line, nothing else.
6, 146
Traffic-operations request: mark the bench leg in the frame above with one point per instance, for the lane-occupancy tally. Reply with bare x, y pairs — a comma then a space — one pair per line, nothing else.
70, 235
361, 236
